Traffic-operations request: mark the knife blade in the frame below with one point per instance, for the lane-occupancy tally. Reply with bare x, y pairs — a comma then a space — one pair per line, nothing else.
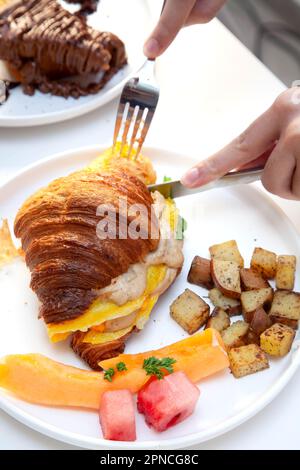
175, 189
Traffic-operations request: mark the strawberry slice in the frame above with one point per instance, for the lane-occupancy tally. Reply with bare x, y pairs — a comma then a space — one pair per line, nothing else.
168, 401
117, 416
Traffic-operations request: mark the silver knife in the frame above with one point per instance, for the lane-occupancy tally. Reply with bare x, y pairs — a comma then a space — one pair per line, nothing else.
175, 189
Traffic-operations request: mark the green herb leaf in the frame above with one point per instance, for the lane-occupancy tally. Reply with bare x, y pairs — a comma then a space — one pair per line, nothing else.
181, 228
157, 367
167, 179
121, 366
108, 374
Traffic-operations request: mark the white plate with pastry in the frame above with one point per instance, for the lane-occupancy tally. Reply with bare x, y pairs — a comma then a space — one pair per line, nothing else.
244, 214
114, 16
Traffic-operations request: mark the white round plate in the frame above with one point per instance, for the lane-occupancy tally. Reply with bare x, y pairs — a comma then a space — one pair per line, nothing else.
241, 213
116, 16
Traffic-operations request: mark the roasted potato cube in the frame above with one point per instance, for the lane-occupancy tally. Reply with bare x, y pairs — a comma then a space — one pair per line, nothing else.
277, 340
190, 311
260, 321
286, 308
254, 299
253, 338
227, 251
285, 274
219, 320
231, 306
199, 273
264, 262
251, 280
226, 276
247, 360
285, 321
235, 335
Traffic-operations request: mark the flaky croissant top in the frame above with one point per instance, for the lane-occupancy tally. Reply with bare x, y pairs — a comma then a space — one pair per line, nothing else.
57, 227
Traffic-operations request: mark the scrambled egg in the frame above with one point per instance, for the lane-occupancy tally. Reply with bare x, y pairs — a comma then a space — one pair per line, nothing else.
117, 158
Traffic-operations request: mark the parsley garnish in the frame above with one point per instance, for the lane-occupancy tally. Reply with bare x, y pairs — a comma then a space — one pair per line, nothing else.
121, 366
108, 374
181, 228
167, 179
154, 366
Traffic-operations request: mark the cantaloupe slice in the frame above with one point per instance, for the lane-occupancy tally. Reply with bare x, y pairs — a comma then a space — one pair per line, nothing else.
38, 379
199, 356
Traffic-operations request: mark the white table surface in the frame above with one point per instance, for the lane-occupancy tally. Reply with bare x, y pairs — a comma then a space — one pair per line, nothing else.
211, 89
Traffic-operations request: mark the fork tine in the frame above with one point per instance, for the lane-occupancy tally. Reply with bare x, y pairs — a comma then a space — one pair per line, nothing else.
127, 125
119, 120
144, 131
136, 127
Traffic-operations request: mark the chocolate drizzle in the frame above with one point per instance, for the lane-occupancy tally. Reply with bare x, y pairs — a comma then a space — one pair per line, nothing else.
55, 51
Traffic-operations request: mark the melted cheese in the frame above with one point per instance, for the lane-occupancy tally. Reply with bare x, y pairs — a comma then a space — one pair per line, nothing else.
97, 337
98, 313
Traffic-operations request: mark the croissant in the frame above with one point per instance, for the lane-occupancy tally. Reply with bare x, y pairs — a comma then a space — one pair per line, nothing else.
98, 290
50, 49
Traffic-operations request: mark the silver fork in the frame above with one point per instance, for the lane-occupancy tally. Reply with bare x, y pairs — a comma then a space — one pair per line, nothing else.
137, 106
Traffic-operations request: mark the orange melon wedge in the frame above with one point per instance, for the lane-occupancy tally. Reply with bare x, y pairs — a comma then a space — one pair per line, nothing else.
38, 379
199, 356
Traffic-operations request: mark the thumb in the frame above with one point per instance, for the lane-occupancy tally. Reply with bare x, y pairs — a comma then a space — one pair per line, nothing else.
173, 18
250, 146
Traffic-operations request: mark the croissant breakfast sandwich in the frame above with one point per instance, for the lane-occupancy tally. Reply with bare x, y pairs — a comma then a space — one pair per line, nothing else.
98, 290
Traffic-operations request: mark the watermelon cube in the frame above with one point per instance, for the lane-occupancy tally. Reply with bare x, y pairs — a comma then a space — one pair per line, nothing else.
117, 416
168, 401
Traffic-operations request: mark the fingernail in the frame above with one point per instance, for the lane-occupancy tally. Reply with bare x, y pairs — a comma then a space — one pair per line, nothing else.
191, 177
151, 48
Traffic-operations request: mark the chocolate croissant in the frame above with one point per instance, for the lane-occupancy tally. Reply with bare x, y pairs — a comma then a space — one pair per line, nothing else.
50, 49
98, 289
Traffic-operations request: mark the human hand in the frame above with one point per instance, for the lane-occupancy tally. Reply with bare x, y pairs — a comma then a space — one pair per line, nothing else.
176, 14
273, 139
